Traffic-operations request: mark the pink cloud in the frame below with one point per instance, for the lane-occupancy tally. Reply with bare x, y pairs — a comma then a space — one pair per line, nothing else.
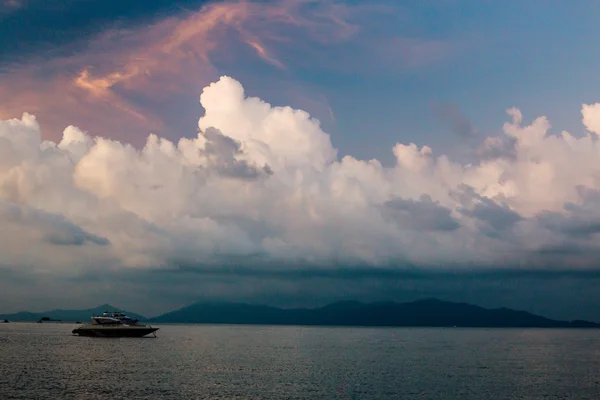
125, 80
115, 86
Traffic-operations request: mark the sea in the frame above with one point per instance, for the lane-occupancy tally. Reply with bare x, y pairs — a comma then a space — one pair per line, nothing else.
45, 361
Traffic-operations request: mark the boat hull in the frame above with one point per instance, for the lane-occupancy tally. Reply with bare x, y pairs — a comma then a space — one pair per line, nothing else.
117, 331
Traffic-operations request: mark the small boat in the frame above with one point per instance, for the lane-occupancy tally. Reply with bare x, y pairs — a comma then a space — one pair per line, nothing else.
114, 324
48, 319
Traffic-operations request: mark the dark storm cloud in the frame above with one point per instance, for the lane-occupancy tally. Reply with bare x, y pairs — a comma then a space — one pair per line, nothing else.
392, 272
570, 226
494, 218
74, 236
16, 278
561, 293
565, 249
566, 293
424, 214
578, 220
55, 229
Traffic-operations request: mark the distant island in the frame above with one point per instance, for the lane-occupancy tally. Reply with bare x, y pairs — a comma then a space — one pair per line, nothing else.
63, 315
48, 319
422, 313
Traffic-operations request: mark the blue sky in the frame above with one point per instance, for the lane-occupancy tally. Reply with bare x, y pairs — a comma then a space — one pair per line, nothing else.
535, 55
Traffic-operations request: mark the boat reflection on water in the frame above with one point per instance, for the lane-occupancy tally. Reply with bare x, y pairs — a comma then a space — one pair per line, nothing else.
114, 324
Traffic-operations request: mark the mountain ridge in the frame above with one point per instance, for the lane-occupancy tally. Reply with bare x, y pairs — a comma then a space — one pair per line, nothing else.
429, 312
66, 315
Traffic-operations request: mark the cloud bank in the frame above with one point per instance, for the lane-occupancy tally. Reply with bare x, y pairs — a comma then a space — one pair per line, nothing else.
263, 185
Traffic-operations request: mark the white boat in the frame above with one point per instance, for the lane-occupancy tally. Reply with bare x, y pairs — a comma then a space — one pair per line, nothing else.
114, 324
115, 317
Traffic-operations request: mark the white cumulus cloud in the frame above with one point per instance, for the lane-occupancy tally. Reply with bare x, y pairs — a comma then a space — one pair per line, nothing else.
591, 117
264, 184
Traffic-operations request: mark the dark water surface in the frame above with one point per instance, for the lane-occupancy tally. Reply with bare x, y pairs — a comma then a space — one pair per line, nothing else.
44, 361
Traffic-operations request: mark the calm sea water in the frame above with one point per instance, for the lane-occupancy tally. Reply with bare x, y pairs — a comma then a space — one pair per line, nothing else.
44, 361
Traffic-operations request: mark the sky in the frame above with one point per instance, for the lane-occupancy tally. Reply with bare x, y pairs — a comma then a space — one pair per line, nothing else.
155, 153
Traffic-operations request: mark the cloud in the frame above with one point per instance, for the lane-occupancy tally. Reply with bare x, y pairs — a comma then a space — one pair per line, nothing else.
576, 220
124, 70
591, 117
263, 185
423, 214
129, 76
494, 148
493, 217
450, 114
221, 152
53, 229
